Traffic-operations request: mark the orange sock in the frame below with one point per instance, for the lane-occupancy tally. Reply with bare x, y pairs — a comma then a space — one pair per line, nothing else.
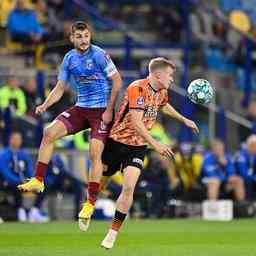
118, 220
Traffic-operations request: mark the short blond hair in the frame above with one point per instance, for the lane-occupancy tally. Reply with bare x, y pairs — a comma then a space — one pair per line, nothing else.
216, 141
160, 63
251, 139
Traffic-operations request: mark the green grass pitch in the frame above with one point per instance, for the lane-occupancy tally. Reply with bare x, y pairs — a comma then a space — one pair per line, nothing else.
138, 238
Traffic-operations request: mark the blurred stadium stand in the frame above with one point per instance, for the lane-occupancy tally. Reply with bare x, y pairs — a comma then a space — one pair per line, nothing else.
201, 38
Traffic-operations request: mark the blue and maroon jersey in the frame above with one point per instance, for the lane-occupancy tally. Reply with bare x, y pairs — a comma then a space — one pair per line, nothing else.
88, 74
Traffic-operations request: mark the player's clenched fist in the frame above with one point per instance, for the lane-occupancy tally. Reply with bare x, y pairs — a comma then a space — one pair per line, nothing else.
107, 116
40, 109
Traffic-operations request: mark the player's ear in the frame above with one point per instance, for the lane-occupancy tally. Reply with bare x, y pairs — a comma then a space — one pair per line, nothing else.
71, 38
158, 74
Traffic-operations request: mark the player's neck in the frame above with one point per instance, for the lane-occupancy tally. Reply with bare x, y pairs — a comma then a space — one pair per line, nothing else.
83, 52
153, 84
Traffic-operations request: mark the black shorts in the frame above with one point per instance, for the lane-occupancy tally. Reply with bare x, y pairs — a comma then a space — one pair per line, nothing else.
117, 156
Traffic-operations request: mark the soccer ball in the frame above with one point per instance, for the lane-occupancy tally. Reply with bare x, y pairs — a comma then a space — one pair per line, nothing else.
200, 91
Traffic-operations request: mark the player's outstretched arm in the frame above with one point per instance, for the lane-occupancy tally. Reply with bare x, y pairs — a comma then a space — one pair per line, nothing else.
117, 83
52, 98
136, 118
175, 114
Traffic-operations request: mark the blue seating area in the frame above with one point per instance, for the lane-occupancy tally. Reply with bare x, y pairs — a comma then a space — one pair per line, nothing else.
248, 6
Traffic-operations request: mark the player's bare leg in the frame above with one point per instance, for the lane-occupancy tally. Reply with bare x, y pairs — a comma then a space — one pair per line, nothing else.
124, 203
104, 182
96, 149
54, 131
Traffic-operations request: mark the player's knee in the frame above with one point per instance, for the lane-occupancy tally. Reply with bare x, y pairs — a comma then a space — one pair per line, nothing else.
48, 135
95, 156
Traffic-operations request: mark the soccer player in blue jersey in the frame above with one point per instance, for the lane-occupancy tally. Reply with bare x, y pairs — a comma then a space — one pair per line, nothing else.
89, 70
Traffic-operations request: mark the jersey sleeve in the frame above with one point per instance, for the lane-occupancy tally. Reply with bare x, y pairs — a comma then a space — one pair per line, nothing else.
106, 64
136, 97
64, 73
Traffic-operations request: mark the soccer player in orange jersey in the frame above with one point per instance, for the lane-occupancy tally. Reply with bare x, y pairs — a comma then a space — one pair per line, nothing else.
127, 142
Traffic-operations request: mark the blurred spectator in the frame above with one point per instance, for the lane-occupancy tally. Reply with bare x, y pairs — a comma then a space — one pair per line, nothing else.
30, 91
111, 186
64, 8
42, 12
245, 164
66, 28
56, 4
15, 167
81, 140
61, 35
66, 101
5, 8
159, 133
202, 25
59, 179
186, 170
167, 22
218, 173
47, 18
1, 123
23, 25
154, 185
245, 132
12, 96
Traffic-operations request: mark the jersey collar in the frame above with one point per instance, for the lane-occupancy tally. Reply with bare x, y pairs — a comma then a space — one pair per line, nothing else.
153, 88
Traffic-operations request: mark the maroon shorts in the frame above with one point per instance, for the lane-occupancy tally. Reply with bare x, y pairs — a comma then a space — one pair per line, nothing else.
77, 119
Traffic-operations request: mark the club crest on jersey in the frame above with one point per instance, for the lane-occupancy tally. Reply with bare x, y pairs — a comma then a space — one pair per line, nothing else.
103, 128
89, 64
140, 101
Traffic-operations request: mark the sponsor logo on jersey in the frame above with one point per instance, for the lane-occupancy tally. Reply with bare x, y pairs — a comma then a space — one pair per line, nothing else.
140, 101
89, 64
150, 111
85, 79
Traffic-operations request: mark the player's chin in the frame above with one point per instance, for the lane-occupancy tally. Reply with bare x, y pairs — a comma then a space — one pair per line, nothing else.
83, 48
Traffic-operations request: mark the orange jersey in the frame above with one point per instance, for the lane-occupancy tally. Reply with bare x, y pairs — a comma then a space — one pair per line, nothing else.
138, 95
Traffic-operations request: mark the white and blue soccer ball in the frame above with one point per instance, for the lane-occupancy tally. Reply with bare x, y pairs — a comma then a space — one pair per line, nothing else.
200, 91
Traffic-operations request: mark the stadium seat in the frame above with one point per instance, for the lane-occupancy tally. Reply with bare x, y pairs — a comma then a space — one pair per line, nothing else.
229, 5
11, 45
19, 48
